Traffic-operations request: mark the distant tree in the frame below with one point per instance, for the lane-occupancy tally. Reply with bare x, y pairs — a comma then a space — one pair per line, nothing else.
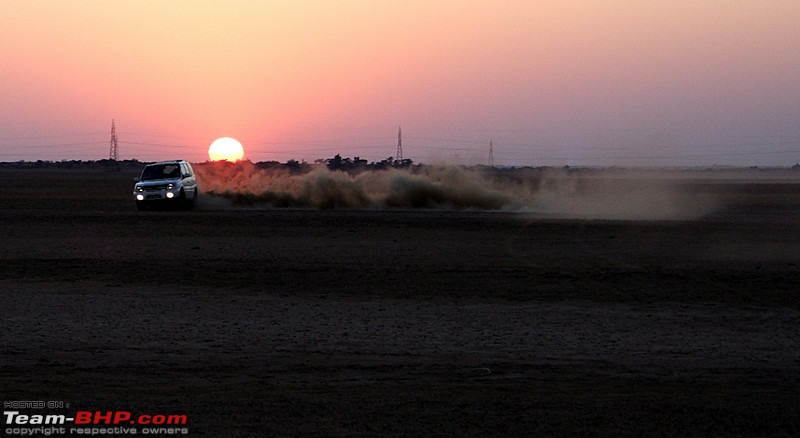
268, 165
383, 164
401, 164
335, 163
296, 167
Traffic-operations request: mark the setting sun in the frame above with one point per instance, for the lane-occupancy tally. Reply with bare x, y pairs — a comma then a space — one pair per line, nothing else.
225, 148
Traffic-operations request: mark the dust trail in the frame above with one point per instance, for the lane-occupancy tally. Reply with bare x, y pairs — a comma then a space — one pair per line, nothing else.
621, 194
605, 194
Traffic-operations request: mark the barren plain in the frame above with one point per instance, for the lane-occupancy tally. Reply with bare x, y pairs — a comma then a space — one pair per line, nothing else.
405, 322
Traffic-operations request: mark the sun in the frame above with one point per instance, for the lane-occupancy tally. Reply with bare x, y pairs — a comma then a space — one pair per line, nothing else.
227, 149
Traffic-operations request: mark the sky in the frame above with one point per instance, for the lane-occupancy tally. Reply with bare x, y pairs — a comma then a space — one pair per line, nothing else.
580, 83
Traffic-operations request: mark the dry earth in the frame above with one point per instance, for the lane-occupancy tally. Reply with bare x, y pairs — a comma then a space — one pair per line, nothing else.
404, 323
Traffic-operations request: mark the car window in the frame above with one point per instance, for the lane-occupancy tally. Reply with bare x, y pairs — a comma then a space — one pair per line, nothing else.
161, 171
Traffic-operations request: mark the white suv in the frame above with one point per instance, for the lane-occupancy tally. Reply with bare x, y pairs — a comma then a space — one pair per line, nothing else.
166, 184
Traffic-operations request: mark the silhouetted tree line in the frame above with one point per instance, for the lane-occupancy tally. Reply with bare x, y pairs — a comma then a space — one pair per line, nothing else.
105, 164
337, 162
293, 166
344, 164
358, 164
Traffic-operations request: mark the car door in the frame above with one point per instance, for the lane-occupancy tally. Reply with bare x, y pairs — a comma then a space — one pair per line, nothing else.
189, 182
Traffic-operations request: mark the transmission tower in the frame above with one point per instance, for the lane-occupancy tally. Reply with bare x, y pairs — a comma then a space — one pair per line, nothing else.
399, 155
491, 154
113, 150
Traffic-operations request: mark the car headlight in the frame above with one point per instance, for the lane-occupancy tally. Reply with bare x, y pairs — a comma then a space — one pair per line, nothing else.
170, 195
139, 189
170, 186
140, 197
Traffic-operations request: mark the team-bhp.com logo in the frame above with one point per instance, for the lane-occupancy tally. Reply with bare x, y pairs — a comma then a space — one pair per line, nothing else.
91, 423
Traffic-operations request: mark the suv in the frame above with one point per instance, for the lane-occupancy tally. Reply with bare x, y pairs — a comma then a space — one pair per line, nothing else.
167, 183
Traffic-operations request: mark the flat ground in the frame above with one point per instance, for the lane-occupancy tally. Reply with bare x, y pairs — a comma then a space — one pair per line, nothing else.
375, 323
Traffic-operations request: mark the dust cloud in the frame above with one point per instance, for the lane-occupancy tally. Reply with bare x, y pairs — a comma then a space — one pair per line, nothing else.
564, 193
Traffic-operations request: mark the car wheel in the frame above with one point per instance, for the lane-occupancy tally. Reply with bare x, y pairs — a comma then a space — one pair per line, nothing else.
190, 204
184, 202
181, 201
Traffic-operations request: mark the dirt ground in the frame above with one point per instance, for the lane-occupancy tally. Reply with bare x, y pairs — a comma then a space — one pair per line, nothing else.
270, 322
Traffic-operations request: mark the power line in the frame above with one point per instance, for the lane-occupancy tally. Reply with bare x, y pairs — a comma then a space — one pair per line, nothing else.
510, 151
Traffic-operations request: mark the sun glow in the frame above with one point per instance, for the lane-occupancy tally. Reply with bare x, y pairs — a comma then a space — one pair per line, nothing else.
225, 149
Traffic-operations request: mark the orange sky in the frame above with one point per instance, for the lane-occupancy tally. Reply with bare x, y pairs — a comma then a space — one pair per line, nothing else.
550, 82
